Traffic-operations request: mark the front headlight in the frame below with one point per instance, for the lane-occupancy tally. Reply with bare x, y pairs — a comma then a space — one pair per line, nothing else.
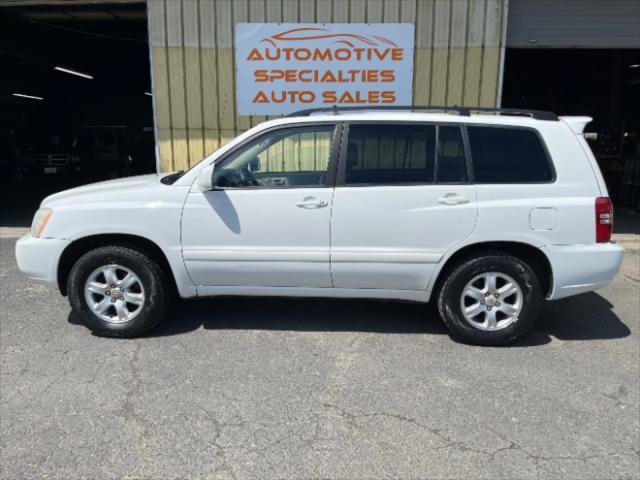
40, 220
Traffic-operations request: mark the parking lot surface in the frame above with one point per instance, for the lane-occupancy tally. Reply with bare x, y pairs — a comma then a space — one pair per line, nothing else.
291, 388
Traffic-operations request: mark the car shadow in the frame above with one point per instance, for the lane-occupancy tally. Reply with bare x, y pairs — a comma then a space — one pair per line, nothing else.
586, 317
300, 314
589, 316
224, 208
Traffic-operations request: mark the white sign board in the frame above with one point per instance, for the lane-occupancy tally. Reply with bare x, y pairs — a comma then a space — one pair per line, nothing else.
284, 67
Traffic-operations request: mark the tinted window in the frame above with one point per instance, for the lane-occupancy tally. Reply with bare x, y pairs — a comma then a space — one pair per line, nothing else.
451, 159
508, 155
379, 154
291, 157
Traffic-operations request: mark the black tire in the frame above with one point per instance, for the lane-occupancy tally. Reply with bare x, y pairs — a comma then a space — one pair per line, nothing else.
151, 276
449, 296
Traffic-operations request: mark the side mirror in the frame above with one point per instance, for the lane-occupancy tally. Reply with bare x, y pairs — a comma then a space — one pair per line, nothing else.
205, 178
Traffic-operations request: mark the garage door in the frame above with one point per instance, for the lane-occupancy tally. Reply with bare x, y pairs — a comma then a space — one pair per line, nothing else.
574, 23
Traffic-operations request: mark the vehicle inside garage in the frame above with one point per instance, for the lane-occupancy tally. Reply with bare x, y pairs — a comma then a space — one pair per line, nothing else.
75, 98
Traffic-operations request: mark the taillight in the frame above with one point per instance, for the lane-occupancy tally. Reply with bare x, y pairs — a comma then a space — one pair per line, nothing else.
604, 219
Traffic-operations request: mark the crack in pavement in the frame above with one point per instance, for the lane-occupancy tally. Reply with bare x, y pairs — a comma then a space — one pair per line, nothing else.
449, 442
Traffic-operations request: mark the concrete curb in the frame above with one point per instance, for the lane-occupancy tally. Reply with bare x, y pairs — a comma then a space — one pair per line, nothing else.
13, 232
629, 241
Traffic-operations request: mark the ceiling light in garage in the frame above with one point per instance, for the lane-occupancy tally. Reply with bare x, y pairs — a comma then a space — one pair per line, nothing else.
33, 97
635, 65
148, 93
74, 72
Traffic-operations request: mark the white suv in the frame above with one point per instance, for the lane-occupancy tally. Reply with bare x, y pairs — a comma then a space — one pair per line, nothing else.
488, 213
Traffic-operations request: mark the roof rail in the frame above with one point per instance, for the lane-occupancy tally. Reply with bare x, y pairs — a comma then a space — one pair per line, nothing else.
465, 111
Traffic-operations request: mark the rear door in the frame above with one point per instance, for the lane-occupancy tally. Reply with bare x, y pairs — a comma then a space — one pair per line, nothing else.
403, 198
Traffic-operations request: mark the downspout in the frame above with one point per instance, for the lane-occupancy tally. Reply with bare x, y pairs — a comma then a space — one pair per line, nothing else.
153, 92
503, 46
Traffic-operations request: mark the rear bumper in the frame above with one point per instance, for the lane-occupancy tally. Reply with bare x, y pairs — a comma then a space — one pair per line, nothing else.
582, 268
38, 258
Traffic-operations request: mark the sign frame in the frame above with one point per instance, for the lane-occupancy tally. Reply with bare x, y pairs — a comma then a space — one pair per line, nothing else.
285, 67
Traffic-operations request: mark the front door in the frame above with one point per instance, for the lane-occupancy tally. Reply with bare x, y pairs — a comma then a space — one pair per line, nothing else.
266, 223
402, 200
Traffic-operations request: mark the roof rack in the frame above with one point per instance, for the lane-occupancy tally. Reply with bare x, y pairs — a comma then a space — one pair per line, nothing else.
465, 111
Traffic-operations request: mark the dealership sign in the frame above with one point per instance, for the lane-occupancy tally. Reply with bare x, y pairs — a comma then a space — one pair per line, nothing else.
284, 67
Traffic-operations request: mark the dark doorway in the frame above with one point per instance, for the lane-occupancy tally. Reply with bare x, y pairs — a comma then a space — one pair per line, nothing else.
75, 99
600, 83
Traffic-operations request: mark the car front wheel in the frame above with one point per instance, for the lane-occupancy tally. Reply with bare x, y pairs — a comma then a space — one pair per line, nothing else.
118, 291
491, 299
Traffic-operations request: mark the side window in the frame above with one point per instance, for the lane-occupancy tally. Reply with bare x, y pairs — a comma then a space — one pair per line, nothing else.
390, 154
291, 157
452, 166
508, 155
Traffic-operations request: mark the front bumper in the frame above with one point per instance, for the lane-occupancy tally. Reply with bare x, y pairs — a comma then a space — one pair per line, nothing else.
38, 258
582, 268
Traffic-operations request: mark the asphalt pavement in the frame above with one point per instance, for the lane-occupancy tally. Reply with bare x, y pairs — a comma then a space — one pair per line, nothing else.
291, 388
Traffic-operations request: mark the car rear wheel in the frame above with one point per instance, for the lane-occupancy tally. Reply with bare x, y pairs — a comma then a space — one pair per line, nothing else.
118, 291
490, 299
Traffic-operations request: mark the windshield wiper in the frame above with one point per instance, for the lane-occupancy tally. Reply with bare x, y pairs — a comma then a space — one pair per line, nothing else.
169, 179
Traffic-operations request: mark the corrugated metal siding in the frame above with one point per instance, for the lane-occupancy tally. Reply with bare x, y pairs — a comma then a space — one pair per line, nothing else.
574, 23
458, 45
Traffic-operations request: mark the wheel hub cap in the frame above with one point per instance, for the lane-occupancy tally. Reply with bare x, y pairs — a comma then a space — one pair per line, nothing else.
491, 301
114, 293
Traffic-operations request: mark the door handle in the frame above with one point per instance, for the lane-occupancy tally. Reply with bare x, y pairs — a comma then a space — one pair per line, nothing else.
453, 199
311, 202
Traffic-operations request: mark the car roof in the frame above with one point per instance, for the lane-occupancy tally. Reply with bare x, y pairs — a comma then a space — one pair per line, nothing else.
408, 116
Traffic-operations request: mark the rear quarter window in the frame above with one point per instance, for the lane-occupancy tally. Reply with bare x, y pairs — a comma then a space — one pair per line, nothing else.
508, 155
